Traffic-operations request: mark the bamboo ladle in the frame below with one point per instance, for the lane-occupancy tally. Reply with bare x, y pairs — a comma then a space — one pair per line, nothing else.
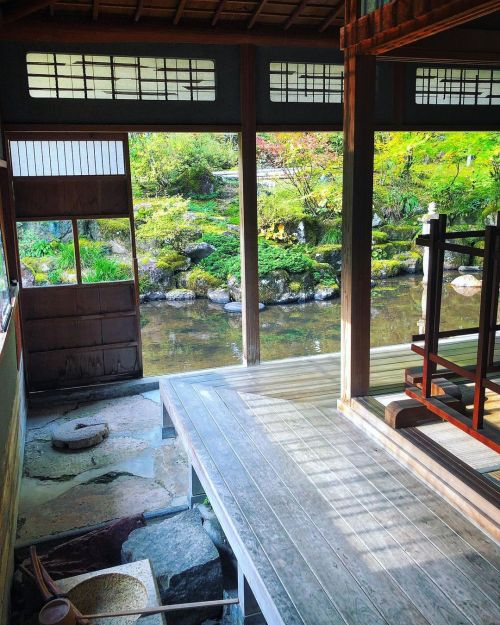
62, 611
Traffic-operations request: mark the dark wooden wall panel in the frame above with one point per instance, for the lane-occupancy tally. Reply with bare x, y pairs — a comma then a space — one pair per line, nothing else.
80, 334
71, 196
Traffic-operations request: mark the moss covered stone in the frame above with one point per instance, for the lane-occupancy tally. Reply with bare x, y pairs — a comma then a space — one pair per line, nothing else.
386, 268
201, 282
400, 232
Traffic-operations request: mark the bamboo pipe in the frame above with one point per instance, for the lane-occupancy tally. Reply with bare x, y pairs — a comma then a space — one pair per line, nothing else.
164, 608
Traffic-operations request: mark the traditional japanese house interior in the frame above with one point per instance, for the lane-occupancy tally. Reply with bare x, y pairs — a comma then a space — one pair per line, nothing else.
360, 487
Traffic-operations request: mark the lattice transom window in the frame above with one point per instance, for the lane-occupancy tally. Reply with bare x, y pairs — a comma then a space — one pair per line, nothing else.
98, 77
306, 82
457, 86
67, 158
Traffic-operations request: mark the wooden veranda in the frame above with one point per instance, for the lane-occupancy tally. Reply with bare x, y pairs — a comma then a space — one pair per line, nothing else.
391, 65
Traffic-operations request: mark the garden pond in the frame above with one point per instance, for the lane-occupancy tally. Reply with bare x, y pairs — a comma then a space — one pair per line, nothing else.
185, 336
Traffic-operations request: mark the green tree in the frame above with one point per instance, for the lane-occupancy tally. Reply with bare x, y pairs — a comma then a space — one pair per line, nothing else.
179, 163
166, 224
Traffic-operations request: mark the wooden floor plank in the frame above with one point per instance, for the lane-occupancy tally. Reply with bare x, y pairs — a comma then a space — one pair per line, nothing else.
331, 529
461, 527
382, 589
432, 602
310, 599
478, 571
247, 548
341, 586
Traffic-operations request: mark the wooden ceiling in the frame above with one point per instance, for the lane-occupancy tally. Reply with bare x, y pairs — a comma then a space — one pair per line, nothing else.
279, 15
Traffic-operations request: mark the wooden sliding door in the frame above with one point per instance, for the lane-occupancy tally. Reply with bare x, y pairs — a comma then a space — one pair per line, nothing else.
76, 258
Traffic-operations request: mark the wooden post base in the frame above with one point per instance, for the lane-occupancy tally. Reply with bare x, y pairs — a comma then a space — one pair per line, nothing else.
249, 610
407, 413
196, 491
168, 429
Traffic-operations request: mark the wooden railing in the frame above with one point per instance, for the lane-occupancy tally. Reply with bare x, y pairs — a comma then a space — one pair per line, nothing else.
438, 241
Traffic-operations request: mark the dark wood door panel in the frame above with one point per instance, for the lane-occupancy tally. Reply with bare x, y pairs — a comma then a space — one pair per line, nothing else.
71, 196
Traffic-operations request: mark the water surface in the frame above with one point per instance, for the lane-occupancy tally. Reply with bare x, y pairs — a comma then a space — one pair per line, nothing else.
199, 334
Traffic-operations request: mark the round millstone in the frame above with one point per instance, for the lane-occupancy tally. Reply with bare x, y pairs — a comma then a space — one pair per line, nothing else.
80, 433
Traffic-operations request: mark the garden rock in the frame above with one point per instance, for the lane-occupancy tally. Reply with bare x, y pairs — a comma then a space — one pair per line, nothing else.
118, 248
235, 307
185, 562
214, 529
467, 281
219, 296
27, 276
234, 288
469, 269
178, 295
156, 296
412, 264
197, 251
325, 292
156, 278
80, 433
452, 260
288, 298
273, 286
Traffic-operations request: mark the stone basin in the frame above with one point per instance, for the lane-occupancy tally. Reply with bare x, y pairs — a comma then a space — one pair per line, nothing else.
111, 592
118, 588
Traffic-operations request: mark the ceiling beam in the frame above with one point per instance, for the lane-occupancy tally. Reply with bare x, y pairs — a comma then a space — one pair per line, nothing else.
218, 11
293, 17
256, 14
180, 11
13, 11
59, 29
404, 22
138, 10
95, 10
334, 15
460, 45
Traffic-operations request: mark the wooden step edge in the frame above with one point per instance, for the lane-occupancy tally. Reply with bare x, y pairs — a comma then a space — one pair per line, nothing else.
476, 508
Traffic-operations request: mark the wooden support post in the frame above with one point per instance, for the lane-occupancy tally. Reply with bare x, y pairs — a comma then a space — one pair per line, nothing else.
250, 613
168, 429
196, 490
433, 304
248, 209
494, 300
487, 325
357, 224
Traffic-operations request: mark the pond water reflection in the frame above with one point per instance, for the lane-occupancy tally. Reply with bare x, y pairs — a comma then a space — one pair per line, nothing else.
197, 335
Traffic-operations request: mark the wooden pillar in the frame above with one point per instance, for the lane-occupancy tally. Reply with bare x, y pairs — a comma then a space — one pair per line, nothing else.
248, 208
359, 98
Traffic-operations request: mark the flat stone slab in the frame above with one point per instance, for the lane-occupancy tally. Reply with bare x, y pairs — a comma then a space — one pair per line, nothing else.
80, 433
108, 497
44, 462
184, 560
235, 307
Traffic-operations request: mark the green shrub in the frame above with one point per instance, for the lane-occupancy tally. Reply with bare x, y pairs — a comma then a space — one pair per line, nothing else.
332, 231
272, 257
106, 270
165, 224
282, 205
226, 257
226, 260
55, 276
201, 281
